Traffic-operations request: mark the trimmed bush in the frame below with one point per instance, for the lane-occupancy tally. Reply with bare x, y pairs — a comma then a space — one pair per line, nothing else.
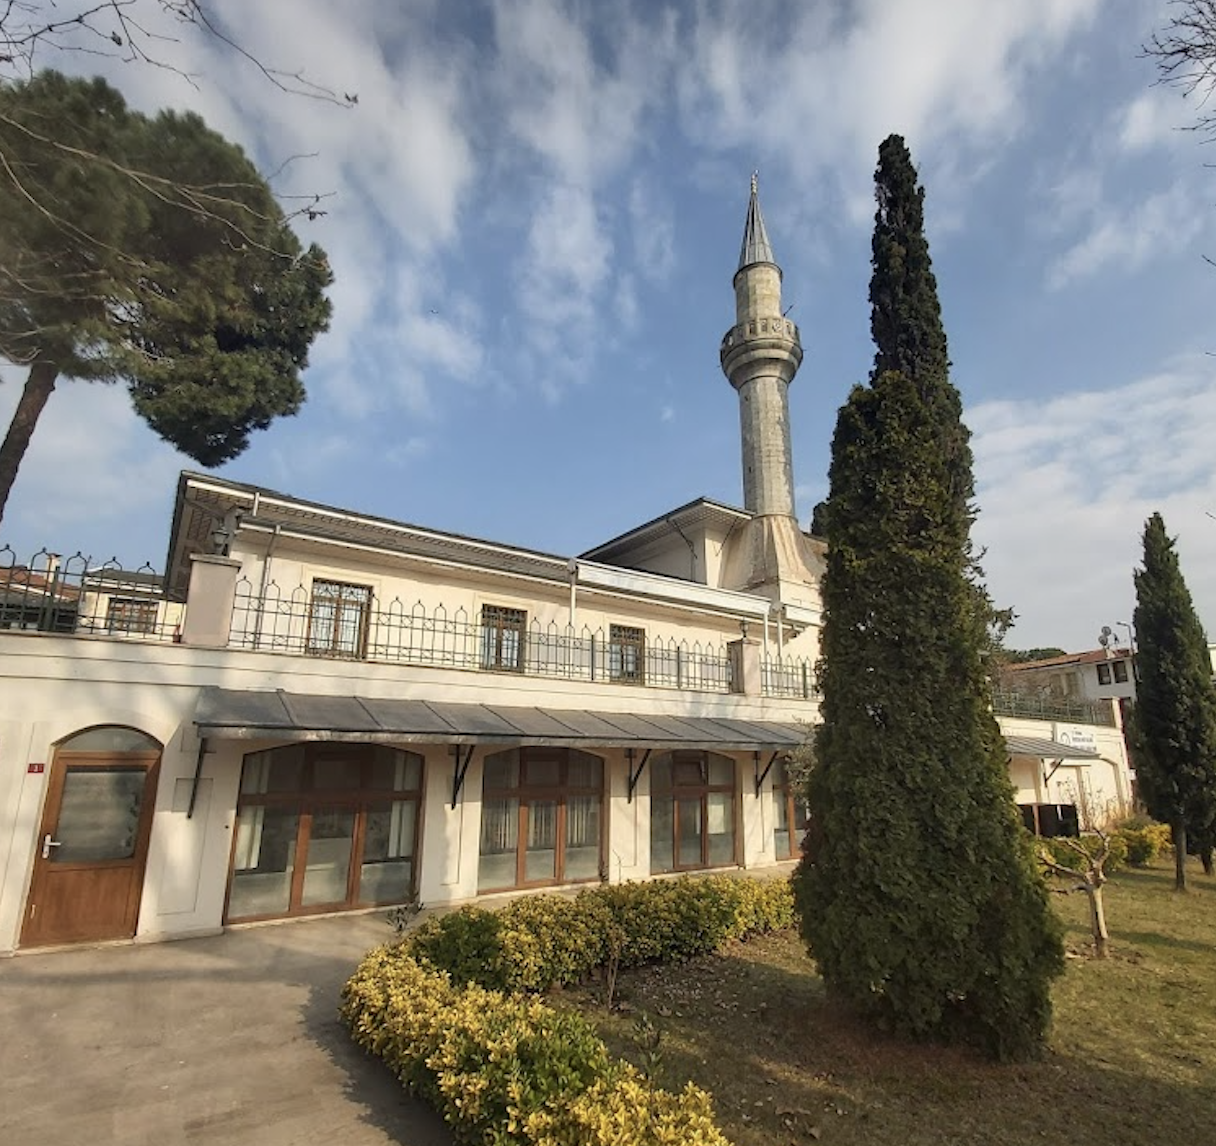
543, 941
505, 1069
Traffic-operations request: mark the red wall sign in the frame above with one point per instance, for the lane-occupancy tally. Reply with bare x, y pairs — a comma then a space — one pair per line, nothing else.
34, 769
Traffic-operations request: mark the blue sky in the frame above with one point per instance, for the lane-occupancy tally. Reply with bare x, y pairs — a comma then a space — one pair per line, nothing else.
534, 215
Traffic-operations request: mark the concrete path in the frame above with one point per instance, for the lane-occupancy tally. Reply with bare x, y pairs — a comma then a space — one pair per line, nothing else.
229, 1039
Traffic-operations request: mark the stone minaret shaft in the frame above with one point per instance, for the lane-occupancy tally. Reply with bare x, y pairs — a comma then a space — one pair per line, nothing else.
760, 355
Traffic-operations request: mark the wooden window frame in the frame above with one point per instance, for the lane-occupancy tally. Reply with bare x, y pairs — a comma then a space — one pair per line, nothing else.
497, 620
307, 799
623, 639
527, 794
685, 791
330, 644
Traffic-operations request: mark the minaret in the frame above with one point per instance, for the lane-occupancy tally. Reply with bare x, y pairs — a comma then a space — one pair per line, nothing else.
760, 355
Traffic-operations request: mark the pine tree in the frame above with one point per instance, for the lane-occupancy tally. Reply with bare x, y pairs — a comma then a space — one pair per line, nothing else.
918, 893
1176, 704
147, 250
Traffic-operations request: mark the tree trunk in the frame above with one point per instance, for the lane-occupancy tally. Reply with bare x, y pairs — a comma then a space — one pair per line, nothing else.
1097, 919
1178, 831
1205, 858
38, 387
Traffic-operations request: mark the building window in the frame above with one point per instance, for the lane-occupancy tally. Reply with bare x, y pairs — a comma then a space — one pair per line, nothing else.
337, 619
502, 637
324, 827
1104, 674
790, 813
692, 811
541, 815
1120, 668
627, 654
130, 615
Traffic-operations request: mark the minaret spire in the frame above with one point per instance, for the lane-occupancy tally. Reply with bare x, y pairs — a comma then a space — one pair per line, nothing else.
756, 247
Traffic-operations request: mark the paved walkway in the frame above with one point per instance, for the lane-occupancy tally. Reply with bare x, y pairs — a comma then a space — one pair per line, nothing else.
229, 1039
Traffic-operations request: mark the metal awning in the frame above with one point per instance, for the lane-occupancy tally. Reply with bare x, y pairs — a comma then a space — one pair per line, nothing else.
237, 714
1047, 749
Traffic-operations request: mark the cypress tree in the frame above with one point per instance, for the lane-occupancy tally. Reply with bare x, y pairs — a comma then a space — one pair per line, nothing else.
1176, 705
918, 894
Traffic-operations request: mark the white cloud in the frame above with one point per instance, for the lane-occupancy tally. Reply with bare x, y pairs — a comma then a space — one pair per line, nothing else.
1162, 224
1065, 485
950, 75
1154, 118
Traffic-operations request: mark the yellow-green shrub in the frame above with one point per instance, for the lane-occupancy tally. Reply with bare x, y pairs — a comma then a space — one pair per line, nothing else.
505, 1069
1062, 850
542, 941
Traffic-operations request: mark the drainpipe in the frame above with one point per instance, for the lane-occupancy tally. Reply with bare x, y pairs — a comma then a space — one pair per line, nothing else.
270, 548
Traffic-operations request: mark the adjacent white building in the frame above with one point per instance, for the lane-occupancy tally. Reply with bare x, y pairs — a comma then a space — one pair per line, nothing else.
323, 711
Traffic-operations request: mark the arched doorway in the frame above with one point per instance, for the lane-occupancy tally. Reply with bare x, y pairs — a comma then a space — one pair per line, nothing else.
93, 839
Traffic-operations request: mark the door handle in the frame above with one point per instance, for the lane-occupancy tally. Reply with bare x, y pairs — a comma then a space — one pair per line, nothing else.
47, 844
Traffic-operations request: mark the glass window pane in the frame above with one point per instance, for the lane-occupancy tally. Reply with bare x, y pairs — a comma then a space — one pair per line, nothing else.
395, 770
660, 773
501, 770
585, 770
582, 860
688, 813
327, 866
337, 771
721, 769
99, 814
388, 852
110, 738
499, 843
540, 859
720, 827
688, 773
542, 771
264, 861
662, 834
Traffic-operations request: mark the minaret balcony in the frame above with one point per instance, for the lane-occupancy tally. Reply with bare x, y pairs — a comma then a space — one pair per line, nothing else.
757, 339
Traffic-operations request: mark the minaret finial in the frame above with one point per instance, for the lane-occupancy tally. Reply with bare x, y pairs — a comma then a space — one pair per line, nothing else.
755, 182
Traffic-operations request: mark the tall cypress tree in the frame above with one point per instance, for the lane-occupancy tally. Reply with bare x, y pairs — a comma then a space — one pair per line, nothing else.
1176, 704
918, 894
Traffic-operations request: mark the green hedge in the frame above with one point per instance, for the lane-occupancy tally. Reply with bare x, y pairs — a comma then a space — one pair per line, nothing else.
544, 941
452, 1011
505, 1069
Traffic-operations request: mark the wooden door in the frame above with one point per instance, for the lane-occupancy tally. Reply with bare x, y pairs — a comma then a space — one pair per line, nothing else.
92, 848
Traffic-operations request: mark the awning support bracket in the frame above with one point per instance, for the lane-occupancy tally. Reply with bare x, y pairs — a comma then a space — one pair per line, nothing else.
1054, 769
634, 777
462, 768
762, 776
198, 776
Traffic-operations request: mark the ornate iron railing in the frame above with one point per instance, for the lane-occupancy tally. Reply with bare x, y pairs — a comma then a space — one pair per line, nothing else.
791, 677
76, 595
1006, 702
359, 628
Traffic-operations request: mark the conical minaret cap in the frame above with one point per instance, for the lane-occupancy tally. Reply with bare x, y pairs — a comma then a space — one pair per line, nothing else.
756, 247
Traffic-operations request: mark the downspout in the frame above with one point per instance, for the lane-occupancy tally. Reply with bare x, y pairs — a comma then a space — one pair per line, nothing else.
270, 548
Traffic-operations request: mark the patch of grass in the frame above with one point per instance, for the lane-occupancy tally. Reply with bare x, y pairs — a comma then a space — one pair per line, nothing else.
1132, 1057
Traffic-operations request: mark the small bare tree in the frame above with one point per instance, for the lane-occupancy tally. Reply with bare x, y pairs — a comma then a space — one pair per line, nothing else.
1089, 875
